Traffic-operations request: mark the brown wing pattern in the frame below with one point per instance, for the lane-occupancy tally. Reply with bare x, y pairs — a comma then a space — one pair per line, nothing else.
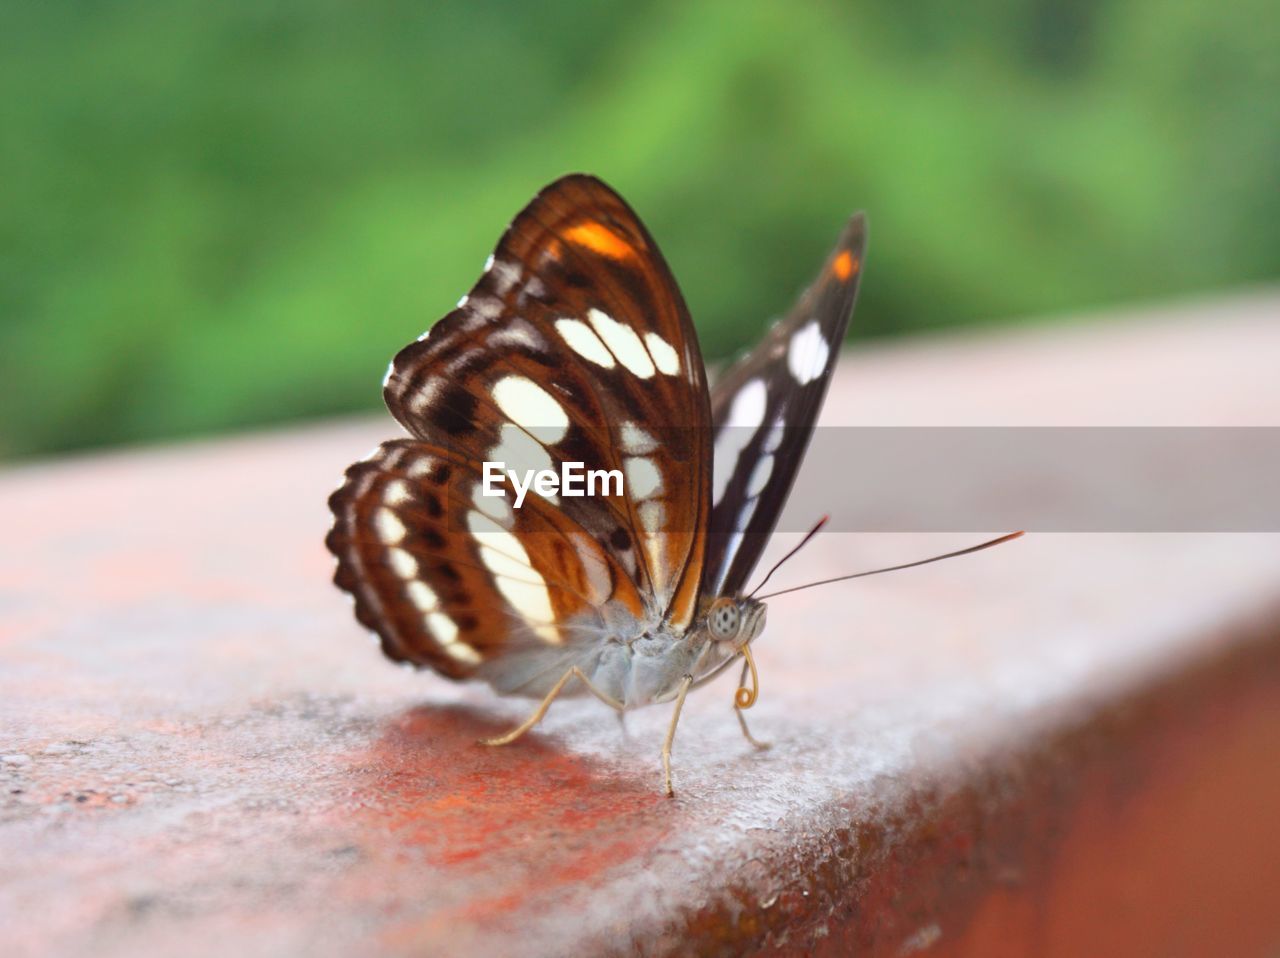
448, 579
575, 346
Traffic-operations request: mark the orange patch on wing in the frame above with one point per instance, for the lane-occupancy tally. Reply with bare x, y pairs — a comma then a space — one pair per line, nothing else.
844, 266
600, 239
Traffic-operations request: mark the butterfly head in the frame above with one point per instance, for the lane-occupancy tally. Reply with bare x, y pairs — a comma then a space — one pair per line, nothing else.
735, 622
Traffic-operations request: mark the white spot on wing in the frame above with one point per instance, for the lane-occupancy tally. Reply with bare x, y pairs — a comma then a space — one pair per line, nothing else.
402, 564
520, 584
580, 338
622, 342
519, 333
421, 595
488, 531
529, 405
388, 526
628, 560
420, 401
746, 413
463, 653
747, 410
652, 515
664, 356
501, 551
445, 631
502, 565
776, 433
533, 604
760, 476
504, 274
396, 492
519, 451
807, 353
442, 627
643, 478
636, 441
484, 309
495, 507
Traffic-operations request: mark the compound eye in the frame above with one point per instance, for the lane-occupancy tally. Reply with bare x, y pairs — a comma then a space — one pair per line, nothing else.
724, 621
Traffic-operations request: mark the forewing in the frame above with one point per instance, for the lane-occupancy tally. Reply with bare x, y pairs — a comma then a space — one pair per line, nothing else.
453, 582
576, 346
764, 408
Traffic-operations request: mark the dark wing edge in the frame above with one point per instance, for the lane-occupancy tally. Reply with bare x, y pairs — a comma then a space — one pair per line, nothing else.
763, 412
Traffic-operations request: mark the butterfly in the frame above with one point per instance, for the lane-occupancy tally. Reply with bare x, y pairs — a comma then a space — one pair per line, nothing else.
575, 347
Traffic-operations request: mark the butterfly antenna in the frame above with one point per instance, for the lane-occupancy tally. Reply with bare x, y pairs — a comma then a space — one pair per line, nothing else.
894, 568
803, 542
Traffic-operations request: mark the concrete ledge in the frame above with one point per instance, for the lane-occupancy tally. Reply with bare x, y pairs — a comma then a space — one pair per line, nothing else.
1065, 746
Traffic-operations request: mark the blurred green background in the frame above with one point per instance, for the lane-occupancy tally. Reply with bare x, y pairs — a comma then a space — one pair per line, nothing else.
216, 215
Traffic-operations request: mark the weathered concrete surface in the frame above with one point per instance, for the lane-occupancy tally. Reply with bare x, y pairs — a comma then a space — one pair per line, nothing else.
1065, 746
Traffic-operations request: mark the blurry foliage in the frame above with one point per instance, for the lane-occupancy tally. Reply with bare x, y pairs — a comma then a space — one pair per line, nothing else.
222, 214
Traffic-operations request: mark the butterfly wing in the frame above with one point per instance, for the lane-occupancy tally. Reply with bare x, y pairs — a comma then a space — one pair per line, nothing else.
575, 346
454, 582
763, 410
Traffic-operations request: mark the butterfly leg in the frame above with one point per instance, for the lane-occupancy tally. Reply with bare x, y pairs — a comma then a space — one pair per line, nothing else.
541, 710
671, 732
742, 719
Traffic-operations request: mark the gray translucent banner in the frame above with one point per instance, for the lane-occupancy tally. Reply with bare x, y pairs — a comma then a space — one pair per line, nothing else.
1043, 479
943, 479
